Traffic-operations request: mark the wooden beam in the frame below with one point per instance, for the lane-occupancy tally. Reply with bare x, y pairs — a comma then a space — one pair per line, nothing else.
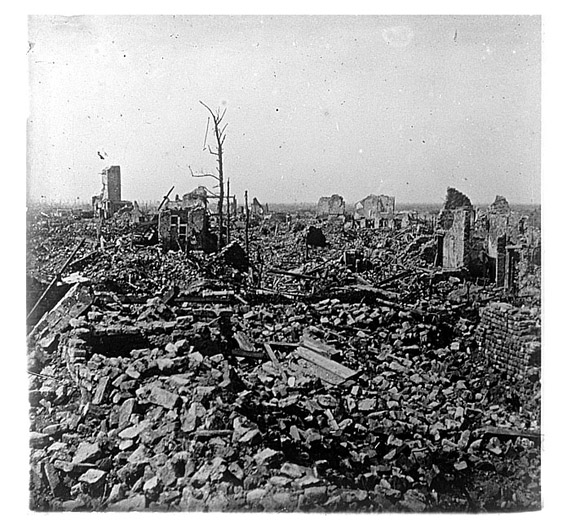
326, 369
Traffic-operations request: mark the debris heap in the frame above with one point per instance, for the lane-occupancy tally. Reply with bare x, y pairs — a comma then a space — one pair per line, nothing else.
280, 382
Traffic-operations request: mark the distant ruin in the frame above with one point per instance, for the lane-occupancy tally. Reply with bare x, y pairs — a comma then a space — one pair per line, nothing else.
331, 207
109, 201
375, 211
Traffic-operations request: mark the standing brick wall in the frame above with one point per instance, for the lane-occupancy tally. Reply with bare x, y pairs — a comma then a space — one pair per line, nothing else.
509, 338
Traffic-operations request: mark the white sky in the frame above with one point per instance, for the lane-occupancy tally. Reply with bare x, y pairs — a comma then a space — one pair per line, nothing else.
402, 105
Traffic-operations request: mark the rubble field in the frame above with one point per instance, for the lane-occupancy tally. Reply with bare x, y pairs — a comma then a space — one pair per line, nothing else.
353, 377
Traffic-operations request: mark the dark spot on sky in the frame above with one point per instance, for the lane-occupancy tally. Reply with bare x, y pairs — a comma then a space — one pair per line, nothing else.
277, 110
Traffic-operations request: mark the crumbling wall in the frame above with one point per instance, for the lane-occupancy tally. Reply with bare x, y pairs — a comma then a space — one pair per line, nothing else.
109, 201
456, 239
509, 338
164, 228
529, 272
256, 209
456, 199
185, 230
111, 177
197, 198
497, 229
331, 206
500, 206
511, 241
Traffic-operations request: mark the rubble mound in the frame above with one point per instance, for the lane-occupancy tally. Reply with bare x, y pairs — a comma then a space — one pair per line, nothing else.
357, 379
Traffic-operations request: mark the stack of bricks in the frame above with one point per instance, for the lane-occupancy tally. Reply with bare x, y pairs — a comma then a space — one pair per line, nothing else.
509, 338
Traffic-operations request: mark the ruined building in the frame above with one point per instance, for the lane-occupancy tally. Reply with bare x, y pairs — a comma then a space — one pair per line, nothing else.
109, 201
375, 211
512, 245
184, 224
331, 207
498, 244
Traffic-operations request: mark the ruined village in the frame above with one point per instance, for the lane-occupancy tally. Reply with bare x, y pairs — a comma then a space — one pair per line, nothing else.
287, 264
212, 353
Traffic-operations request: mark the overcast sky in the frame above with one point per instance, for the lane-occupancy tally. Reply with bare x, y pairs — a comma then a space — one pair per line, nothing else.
316, 105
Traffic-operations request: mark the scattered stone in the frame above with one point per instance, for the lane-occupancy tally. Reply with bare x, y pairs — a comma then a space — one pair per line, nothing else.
39, 440
92, 476
266, 456
86, 452
132, 504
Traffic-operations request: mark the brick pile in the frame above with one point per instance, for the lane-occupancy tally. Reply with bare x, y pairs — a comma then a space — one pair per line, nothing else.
509, 337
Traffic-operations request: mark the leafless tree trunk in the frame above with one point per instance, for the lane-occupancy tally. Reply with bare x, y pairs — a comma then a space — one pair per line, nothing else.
220, 137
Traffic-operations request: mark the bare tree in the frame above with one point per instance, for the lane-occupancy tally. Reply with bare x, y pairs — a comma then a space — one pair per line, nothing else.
220, 137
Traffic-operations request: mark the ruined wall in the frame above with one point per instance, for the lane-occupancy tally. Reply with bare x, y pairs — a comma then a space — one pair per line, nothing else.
509, 338
184, 229
195, 199
456, 239
164, 230
529, 271
456, 199
334, 205
256, 209
111, 179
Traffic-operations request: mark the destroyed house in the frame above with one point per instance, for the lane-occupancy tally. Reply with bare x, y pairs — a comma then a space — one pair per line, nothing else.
131, 213
375, 211
184, 224
185, 229
331, 207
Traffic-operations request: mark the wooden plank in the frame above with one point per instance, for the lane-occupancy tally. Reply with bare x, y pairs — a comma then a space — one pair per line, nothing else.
275, 361
501, 432
207, 433
278, 344
323, 362
321, 373
55, 279
244, 341
237, 352
77, 300
325, 350
293, 274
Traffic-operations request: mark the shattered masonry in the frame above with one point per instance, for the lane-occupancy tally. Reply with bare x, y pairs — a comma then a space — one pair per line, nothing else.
389, 362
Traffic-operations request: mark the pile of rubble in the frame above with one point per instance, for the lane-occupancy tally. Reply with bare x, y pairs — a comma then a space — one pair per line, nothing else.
173, 382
